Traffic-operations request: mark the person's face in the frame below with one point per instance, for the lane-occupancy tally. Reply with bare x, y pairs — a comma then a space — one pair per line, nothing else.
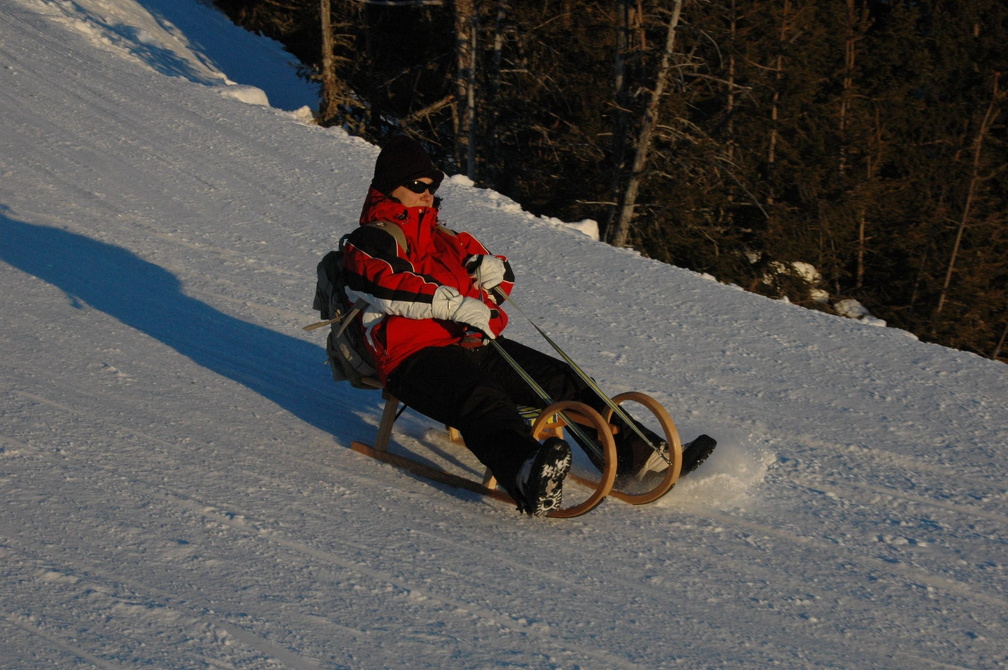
407, 195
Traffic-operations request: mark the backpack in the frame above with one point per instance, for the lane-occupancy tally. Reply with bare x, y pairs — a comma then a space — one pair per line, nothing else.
348, 357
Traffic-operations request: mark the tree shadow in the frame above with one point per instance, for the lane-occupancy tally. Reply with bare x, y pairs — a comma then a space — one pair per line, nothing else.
284, 369
202, 26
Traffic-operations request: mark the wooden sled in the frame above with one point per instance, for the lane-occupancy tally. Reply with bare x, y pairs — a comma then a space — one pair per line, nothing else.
551, 421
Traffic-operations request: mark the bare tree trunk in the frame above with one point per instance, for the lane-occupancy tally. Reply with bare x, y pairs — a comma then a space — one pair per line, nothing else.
775, 102
621, 111
471, 100
626, 209
1000, 345
498, 48
730, 103
862, 243
857, 24
489, 115
847, 93
975, 179
874, 157
465, 86
328, 106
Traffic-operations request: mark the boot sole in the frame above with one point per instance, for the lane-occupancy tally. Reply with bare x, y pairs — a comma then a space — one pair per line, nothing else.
552, 464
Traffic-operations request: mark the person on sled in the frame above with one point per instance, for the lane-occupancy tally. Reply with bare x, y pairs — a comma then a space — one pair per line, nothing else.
432, 307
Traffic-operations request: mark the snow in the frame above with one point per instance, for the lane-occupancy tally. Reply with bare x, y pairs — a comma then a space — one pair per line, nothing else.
853, 309
178, 489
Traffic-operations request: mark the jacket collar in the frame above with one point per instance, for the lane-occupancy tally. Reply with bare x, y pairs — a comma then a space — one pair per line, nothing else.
418, 223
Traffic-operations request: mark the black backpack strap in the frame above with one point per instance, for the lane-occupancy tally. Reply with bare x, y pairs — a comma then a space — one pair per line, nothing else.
393, 230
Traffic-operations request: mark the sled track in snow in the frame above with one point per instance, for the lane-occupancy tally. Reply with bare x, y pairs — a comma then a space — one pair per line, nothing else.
104, 590
255, 535
425, 493
50, 28
345, 560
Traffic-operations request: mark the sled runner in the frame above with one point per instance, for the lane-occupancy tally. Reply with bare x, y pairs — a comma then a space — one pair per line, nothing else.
585, 487
584, 490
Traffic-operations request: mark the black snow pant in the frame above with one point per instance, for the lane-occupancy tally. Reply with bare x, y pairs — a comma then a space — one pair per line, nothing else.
478, 392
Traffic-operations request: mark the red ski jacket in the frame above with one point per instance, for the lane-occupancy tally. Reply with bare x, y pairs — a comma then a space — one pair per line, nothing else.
398, 283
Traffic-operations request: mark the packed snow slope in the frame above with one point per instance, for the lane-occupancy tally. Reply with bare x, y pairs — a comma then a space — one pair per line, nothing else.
177, 487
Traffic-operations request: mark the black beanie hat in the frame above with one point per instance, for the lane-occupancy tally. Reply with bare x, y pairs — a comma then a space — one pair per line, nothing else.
401, 161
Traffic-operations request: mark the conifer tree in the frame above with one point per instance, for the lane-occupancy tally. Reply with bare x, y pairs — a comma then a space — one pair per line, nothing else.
865, 137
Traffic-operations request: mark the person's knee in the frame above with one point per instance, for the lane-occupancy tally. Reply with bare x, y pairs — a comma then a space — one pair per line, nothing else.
488, 407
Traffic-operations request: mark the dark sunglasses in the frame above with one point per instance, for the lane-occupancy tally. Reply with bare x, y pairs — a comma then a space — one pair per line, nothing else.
419, 187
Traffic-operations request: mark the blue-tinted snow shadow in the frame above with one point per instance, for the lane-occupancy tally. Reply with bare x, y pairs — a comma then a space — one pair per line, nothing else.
144, 296
245, 58
211, 37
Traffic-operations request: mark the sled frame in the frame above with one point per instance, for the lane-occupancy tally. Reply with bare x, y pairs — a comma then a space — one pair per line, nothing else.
551, 421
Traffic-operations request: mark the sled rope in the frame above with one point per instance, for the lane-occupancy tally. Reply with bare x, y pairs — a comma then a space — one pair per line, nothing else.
617, 410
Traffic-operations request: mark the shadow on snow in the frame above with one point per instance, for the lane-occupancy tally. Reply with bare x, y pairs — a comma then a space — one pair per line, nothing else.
284, 369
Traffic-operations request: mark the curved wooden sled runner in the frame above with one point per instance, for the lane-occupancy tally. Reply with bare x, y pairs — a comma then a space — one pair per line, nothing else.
551, 421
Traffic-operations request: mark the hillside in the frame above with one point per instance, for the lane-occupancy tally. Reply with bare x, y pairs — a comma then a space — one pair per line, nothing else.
178, 488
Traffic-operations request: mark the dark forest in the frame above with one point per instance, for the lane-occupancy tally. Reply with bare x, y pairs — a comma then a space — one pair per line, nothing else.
748, 139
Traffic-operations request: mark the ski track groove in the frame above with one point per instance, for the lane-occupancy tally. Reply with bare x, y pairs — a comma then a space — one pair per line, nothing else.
823, 546
258, 530
879, 456
248, 526
92, 578
820, 484
337, 566
909, 573
879, 463
470, 515
325, 474
24, 624
42, 25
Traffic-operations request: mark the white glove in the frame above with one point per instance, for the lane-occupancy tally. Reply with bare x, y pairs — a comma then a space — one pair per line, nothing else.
449, 305
486, 271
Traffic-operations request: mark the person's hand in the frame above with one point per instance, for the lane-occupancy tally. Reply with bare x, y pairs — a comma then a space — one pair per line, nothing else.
486, 271
450, 305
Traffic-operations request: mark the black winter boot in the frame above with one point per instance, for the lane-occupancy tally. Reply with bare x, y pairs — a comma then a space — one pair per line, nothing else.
540, 479
694, 454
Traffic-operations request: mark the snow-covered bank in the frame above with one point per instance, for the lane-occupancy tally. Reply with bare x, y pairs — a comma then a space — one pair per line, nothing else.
177, 486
